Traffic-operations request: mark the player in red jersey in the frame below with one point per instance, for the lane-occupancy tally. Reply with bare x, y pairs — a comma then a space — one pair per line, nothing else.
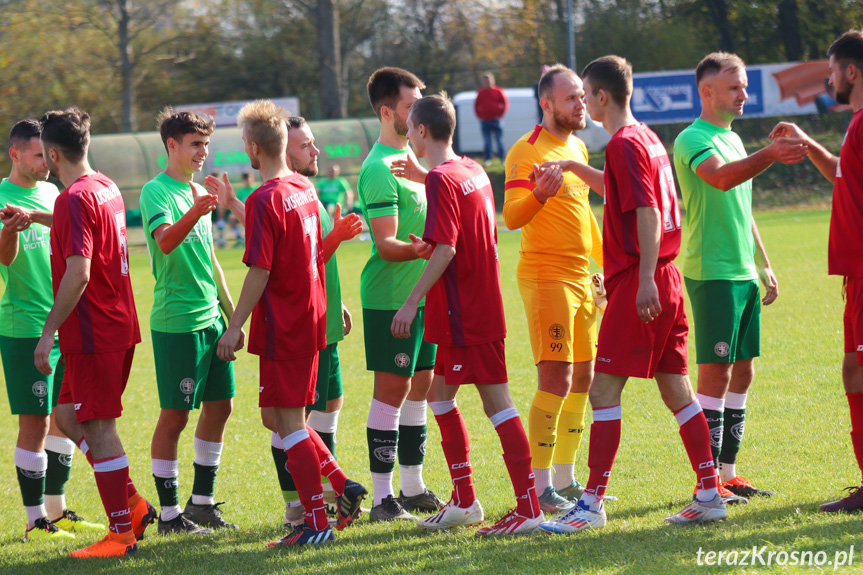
845, 251
464, 316
644, 331
90, 267
284, 292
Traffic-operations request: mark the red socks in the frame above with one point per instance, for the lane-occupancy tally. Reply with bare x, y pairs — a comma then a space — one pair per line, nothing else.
855, 404
329, 467
304, 465
112, 477
516, 455
604, 442
696, 439
456, 449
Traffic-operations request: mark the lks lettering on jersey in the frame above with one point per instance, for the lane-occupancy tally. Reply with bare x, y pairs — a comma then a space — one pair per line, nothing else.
300, 199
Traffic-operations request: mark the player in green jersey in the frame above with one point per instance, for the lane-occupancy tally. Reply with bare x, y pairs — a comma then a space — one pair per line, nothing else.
335, 190
43, 454
186, 324
724, 256
394, 208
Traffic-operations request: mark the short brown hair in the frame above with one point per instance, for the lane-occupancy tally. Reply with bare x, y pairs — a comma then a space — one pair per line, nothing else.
612, 74
848, 46
24, 131
436, 113
67, 130
265, 123
177, 124
716, 62
386, 83
546, 81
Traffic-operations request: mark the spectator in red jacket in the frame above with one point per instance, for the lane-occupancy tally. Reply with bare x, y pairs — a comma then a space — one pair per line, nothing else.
490, 107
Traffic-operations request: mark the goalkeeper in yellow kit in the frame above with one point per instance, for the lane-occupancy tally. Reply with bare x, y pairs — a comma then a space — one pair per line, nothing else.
549, 202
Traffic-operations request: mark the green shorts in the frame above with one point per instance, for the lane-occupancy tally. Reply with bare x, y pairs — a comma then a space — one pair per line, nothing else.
727, 316
329, 384
188, 371
396, 355
30, 392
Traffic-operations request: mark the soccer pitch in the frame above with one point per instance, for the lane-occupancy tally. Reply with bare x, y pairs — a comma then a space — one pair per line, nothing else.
796, 443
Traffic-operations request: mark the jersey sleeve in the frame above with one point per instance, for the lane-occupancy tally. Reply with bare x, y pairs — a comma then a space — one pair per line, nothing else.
260, 232
635, 176
443, 211
519, 204
78, 237
154, 208
379, 191
691, 148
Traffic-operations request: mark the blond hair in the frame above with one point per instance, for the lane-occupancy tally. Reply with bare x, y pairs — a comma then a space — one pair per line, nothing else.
264, 124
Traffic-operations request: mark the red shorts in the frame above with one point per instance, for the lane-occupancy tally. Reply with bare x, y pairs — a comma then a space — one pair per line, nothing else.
95, 382
288, 383
480, 364
853, 318
630, 347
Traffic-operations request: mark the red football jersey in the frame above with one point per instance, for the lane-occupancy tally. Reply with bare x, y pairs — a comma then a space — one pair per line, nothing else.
637, 173
90, 221
283, 235
845, 252
465, 306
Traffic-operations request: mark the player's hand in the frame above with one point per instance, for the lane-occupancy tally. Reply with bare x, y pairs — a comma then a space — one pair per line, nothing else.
401, 326
15, 218
346, 227
42, 355
347, 320
647, 301
548, 182
203, 204
230, 342
771, 285
409, 169
221, 188
788, 150
422, 248
564, 165
787, 130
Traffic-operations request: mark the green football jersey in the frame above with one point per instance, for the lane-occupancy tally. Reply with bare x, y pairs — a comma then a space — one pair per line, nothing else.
386, 285
333, 191
720, 246
335, 327
185, 297
29, 295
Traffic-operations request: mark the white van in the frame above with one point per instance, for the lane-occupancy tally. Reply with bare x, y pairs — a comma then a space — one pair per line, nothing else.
522, 116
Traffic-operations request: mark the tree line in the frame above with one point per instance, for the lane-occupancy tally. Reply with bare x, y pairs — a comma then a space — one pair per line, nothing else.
122, 60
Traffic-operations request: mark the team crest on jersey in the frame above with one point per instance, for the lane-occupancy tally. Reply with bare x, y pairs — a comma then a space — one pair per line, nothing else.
40, 389
402, 360
386, 454
556, 331
187, 386
737, 431
721, 349
716, 437
65, 460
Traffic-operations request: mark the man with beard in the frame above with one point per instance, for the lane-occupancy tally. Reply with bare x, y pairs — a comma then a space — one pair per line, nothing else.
394, 208
559, 232
43, 455
724, 256
323, 414
846, 242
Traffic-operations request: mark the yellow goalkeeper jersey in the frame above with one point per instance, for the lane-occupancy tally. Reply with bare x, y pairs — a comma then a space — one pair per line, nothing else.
557, 238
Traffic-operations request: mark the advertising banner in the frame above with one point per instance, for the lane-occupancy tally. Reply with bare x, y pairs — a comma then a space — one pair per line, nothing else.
225, 113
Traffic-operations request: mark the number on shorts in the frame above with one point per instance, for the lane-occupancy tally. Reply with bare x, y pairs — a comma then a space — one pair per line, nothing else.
186, 399
41, 403
311, 225
556, 347
120, 218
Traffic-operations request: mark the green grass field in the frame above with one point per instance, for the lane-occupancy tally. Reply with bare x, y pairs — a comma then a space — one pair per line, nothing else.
796, 443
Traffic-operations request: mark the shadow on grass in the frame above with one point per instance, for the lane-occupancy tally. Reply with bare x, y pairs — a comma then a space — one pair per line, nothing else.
626, 546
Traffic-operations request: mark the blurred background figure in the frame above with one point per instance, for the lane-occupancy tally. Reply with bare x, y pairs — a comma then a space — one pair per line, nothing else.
490, 107
334, 189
